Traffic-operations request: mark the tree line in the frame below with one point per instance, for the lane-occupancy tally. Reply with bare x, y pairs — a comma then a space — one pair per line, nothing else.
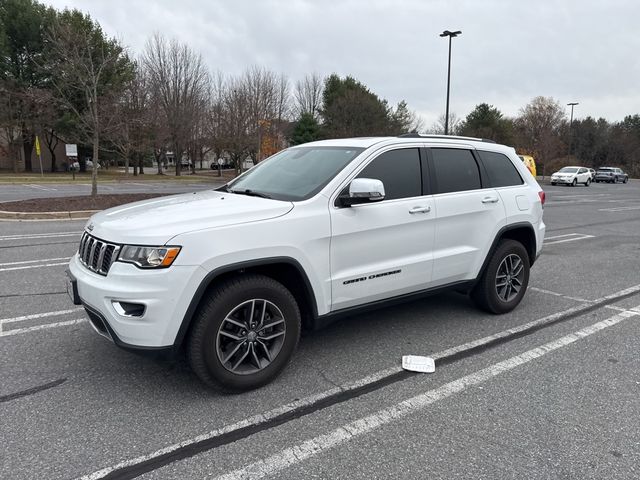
543, 130
64, 79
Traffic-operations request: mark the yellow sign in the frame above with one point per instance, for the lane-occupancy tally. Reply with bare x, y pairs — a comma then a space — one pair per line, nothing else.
37, 146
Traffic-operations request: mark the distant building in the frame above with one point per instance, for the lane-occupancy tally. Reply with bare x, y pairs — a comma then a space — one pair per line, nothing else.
7, 159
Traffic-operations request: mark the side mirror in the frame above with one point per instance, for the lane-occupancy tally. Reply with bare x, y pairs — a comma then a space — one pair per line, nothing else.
363, 190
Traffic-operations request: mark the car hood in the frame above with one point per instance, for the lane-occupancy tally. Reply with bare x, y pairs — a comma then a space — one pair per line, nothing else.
156, 221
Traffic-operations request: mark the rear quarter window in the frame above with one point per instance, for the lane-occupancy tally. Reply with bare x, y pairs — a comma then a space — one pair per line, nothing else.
501, 172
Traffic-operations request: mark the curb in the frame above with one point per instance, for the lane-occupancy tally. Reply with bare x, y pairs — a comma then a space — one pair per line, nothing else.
70, 215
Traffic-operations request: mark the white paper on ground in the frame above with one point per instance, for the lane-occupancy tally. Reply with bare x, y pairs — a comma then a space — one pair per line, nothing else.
416, 363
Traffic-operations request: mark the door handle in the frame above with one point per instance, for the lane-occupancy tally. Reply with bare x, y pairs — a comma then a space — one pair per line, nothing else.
490, 200
426, 209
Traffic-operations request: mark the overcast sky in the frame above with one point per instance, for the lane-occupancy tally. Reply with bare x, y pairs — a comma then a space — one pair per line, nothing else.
509, 52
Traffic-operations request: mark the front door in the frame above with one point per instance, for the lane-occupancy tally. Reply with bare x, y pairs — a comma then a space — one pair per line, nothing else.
384, 249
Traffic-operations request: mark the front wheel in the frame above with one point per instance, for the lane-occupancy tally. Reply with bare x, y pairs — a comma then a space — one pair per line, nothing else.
553, 183
575, 182
245, 333
504, 280
588, 182
626, 179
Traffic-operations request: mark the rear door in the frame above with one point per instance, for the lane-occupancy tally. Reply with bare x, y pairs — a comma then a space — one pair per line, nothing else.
384, 249
503, 176
469, 214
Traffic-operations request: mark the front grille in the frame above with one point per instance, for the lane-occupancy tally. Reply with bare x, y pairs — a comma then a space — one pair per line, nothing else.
96, 255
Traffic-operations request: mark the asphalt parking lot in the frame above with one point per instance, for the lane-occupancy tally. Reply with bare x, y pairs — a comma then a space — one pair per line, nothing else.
548, 391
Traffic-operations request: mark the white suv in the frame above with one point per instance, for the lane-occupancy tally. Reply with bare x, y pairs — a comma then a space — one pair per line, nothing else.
314, 232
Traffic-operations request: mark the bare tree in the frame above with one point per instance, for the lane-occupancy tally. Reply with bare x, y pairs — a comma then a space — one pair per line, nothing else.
308, 95
268, 105
87, 74
179, 80
538, 128
234, 135
437, 128
131, 135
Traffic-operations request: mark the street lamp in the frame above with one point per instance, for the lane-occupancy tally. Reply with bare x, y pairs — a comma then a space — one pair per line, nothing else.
572, 104
451, 35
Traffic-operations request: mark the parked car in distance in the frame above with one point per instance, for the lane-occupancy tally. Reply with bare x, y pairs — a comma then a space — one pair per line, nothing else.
572, 176
529, 162
89, 165
611, 175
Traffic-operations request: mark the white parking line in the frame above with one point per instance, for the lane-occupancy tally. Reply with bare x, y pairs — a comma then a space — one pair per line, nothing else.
619, 209
561, 295
561, 236
39, 235
39, 187
368, 380
26, 267
35, 316
45, 326
24, 262
576, 236
314, 446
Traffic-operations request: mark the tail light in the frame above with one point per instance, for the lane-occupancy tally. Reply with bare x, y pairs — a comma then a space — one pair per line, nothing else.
542, 196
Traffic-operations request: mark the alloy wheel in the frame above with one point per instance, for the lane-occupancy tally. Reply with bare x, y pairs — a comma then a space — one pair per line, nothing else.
250, 337
509, 277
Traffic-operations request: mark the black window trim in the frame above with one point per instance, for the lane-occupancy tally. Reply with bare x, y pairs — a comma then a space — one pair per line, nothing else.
484, 178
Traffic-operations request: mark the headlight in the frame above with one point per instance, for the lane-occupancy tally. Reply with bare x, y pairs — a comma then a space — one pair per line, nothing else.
148, 257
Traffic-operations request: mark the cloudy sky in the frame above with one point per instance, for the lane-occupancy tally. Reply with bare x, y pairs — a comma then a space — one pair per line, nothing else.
510, 51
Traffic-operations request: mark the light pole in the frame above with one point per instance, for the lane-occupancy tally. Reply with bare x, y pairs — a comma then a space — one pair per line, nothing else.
572, 104
451, 35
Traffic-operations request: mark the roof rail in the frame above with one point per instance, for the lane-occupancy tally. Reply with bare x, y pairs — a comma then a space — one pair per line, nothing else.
444, 137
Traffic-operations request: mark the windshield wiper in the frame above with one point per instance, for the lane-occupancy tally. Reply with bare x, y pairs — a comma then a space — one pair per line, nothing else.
250, 193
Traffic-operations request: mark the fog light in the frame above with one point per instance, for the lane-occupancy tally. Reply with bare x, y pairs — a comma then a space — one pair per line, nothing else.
128, 309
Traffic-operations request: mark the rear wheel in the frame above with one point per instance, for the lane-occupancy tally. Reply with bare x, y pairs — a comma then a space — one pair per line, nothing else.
504, 280
245, 333
588, 182
553, 183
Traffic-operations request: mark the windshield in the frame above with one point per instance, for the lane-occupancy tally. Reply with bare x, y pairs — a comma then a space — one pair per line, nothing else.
295, 173
568, 170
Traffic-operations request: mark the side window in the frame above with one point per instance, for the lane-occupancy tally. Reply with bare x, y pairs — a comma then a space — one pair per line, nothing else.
455, 170
399, 171
500, 169
583, 170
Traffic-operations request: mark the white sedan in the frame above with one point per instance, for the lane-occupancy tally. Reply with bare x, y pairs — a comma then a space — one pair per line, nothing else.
572, 176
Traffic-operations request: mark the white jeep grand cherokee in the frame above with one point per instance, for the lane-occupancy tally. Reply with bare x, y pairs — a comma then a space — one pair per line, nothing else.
316, 231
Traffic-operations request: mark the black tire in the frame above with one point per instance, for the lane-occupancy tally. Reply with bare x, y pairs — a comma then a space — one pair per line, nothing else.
553, 183
222, 300
588, 182
626, 179
575, 182
485, 293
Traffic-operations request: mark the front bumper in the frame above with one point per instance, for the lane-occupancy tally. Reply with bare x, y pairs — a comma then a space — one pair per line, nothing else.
165, 293
567, 181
